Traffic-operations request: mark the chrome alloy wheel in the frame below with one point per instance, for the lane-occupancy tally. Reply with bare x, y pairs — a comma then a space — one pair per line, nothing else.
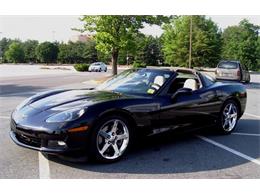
112, 139
229, 117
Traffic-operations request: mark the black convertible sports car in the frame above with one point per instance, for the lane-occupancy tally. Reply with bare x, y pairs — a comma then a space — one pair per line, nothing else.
105, 121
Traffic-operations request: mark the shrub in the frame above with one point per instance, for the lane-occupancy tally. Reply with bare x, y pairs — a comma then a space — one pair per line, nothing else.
81, 67
139, 65
15, 53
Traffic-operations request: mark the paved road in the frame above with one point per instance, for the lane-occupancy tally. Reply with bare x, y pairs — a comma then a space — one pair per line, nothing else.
206, 155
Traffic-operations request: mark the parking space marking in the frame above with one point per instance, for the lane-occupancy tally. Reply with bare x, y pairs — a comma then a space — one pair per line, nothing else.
247, 134
44, 167
249, 158
4, 117
252, 115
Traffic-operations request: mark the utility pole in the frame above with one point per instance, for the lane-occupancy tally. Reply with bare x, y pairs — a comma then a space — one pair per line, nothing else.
190, 41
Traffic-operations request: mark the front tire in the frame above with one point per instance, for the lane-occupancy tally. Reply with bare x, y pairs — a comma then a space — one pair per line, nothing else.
110, 139
228, 117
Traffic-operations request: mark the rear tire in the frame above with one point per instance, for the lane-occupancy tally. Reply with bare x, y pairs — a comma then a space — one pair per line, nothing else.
228, 117
110, 140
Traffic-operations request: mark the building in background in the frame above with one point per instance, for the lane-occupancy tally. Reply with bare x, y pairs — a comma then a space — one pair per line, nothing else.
80, 38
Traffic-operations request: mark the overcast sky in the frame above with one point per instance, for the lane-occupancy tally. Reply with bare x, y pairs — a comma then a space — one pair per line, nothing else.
49, 28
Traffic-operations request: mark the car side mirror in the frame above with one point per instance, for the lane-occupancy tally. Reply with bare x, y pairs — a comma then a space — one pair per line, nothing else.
182, 91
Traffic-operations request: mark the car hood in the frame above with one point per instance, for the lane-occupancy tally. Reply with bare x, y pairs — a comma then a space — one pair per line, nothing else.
74, 98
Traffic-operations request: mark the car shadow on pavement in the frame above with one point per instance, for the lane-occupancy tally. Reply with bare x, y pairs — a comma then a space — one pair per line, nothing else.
12, 90
172, 153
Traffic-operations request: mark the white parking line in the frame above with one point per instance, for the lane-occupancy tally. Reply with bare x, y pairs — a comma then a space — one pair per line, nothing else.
252, 115
44, 168
247, 134
249, 158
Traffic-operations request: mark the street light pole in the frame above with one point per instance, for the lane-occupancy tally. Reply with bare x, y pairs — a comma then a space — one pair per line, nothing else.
190, 49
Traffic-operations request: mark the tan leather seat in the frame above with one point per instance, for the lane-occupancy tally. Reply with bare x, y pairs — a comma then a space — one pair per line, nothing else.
159, 80
191, 84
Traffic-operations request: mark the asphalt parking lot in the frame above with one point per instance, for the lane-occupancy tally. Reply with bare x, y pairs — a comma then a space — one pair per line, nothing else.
197, 155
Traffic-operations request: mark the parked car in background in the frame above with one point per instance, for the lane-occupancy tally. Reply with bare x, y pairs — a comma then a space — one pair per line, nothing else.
97, 67
232, 70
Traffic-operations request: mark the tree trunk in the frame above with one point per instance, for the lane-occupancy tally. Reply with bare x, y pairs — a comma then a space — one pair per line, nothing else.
114, 61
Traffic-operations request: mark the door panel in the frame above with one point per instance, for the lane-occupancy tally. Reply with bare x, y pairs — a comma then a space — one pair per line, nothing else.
189, 110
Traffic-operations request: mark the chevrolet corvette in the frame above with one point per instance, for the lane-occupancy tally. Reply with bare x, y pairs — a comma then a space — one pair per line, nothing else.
104, 122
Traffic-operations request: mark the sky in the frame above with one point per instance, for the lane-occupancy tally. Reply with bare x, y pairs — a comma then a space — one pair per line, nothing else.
58, 28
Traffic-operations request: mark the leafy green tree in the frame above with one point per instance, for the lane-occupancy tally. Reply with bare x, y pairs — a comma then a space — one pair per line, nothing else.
258, 54
4, 44
206, 42
15, 53
90, 53
103, 57
240, 43
77, 52
47, 52
64, 55
148, 51
29, 48
115, 32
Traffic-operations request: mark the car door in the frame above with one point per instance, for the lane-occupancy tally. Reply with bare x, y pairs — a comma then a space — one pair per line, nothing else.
188, 110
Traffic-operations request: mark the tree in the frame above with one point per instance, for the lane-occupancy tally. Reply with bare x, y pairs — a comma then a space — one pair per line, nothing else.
77, 52
4, 44
15, 53
148, 51
90, 53
115, 32
64, 55
29, 48
258, 54
206, 42
240, 43
47, 52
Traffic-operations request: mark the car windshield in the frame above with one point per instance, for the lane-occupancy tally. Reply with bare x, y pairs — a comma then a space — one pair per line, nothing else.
228, 65
137, 81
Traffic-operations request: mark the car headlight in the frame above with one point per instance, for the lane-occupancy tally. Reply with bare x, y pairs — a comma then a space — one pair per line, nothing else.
65, 116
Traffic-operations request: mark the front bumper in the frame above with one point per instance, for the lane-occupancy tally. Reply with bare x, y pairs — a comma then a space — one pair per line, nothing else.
29, 143
47, 142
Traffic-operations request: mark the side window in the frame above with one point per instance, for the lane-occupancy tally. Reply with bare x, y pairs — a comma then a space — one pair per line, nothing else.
184, 80
208, 80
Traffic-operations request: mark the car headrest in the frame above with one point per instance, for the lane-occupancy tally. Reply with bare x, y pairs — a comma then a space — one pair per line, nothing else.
191, 84
159, 80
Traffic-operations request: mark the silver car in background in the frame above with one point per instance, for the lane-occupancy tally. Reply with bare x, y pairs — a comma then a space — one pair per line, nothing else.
232, 70
97, 67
